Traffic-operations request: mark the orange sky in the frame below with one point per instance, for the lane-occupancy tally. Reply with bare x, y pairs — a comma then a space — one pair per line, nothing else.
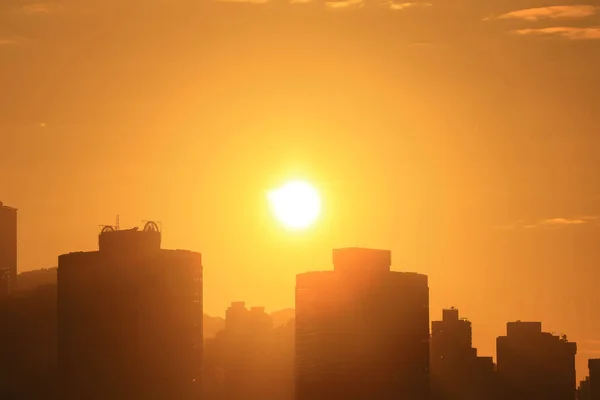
462, 135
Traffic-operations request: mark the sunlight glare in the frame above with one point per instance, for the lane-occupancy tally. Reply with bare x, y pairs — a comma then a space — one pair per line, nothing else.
296, 204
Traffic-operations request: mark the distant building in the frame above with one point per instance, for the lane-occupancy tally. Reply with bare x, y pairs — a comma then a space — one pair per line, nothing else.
362, 330
249, 359
130, 319
456, 371
247, 362
583, 391
28, 344
535, 365
594, 368
8, 249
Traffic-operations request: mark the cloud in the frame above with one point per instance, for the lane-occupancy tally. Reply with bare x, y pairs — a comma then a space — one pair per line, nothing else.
41, 8
8, 42
345, 4
548, 222
552, 12
244, 1
567, 32
356, 4
394, 5
563, 221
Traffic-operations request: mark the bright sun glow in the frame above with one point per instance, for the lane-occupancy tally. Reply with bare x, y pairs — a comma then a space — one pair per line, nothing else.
296, 204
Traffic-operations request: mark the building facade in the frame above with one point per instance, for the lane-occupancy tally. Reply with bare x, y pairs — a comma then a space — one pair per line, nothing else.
362, 330
130, 319
535, 365
8, 249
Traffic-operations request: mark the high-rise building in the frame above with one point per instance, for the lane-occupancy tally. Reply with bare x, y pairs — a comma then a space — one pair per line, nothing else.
535, 365
362, 330
456, 370
583, 391
251, 358
248, 365
130, 319
594, 368
452, 356
8, 249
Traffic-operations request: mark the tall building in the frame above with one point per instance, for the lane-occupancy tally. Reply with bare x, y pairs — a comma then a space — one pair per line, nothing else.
583, 391
250, 358
456, 370
362, 330
535, 365
247, 358
130, 319
594, 368
452, 356
8, 249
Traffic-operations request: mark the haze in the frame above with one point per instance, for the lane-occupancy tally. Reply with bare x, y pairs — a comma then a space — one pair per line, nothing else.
462, 135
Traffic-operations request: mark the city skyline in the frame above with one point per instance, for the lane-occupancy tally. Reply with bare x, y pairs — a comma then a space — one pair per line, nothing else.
111, 299
487, 347
581, 357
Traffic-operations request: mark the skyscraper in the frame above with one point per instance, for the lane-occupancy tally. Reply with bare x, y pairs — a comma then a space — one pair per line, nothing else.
130, 319
452, 356
535, 365
248, 361
456, 370
8, 249
362, 330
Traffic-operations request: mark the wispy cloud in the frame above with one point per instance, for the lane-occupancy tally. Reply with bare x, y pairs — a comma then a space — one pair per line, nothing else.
563, 221
244, 1
549, 222
345, 4
8, 42
553, 12
567, 32
41, 8
395, 5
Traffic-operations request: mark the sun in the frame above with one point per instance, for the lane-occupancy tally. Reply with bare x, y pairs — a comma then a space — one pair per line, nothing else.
296, 204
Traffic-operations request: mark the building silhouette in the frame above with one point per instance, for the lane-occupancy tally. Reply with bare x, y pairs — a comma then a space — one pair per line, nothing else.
584, 390
362, 330
250, 358
247, 338
535, 365
8, 249
28, 344
594, 368
456, 370
130, 319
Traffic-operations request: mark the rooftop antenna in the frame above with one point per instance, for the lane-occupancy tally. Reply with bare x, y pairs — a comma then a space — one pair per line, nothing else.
117, 224
152, 226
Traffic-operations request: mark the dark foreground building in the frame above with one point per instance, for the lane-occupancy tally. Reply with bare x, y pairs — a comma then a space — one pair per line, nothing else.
535, 365
594, 368
456, 370
130, 319
8, 249
362, 330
